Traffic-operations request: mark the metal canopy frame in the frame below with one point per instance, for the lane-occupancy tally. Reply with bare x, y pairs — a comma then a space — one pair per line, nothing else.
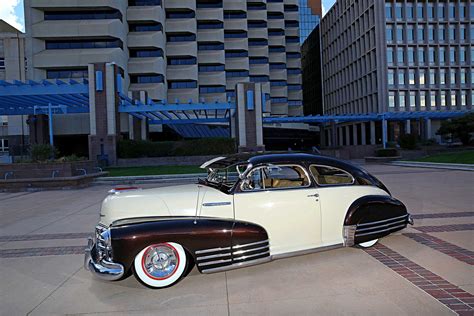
20, 98
177, 113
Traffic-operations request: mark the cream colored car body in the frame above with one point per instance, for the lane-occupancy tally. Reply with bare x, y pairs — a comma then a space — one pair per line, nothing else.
295, 219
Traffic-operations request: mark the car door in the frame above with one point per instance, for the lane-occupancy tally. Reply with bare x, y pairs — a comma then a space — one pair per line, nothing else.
283, 200
337, 191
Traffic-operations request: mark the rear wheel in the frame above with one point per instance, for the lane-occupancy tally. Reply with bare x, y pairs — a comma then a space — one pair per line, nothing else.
368, 244
160, 265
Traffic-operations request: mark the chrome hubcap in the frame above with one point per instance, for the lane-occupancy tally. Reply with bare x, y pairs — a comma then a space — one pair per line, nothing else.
160, 261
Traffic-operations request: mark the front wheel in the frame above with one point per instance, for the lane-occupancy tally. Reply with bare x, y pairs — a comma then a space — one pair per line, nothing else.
160, 265
368, 244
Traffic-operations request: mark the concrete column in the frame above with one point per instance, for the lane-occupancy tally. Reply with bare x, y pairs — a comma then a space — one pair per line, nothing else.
104, 116
372, 133
341, 136
138, 128
348, 135
322, 136
39, 131
354, 135
363, 140
407, 127
248, 124
333, 135
428, 128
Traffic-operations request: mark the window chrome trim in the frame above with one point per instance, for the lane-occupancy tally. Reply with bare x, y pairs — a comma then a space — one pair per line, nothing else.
278, 189
331, 185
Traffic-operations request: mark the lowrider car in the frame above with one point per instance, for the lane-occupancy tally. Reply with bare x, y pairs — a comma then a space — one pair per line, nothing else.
249, 210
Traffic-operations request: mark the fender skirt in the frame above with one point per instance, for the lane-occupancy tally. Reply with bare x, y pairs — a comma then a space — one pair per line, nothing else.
374, 216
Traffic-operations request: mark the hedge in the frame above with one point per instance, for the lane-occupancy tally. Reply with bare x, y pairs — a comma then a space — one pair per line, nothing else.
196, 147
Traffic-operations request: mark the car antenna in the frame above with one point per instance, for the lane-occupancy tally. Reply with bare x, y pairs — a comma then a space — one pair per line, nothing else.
197, 205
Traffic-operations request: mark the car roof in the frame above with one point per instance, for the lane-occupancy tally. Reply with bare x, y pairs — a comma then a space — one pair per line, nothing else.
276, 157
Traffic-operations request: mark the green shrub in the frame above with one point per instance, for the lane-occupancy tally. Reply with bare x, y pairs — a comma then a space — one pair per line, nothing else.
71, 158
386, 152
408, 141
196, 147
43, 152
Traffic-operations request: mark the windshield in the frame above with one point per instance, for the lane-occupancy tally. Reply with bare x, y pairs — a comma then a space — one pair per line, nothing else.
224, 178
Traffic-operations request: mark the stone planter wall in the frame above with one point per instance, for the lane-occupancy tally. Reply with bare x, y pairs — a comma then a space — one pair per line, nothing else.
47, 170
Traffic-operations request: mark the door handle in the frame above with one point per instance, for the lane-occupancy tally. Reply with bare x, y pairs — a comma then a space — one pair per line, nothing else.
316, 195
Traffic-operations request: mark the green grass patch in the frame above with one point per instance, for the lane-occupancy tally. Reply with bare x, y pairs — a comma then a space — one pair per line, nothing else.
465, 157
152, 171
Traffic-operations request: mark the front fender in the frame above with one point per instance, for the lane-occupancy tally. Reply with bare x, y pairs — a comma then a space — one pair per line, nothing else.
129, 239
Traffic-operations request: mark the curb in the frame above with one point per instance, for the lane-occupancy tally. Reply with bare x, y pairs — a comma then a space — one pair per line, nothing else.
433, 165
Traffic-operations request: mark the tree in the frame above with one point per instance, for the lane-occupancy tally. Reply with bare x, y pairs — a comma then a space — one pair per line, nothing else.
461, 128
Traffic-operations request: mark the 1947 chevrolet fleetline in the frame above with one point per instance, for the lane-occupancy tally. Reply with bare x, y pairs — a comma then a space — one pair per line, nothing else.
249, 210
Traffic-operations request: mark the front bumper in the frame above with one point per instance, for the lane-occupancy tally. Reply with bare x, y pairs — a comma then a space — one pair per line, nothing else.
103, 269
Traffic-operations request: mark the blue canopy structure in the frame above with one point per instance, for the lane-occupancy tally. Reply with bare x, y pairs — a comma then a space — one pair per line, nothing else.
21, 98
177, 113
388, 116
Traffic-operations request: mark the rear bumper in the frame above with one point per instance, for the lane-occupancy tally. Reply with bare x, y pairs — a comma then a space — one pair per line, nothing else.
103, 269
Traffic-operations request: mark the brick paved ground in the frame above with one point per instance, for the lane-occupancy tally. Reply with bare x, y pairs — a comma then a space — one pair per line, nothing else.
43, 234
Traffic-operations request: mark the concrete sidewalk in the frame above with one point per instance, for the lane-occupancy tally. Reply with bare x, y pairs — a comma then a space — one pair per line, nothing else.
42, 272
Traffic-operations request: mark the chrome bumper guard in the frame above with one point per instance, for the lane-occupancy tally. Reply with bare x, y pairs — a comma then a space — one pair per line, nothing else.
103, 269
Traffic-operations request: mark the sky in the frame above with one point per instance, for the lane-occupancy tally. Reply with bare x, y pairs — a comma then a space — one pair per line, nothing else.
12, 12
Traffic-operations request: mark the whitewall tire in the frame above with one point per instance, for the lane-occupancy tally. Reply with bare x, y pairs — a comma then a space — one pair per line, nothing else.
160, 265
368, 244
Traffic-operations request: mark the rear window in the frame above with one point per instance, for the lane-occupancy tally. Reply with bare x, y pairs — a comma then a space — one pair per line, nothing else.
326, 175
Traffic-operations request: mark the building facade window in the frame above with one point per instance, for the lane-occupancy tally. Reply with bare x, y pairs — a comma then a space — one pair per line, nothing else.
236, 53
442, 77
431, 11
211, 67
83, 44
145, 27
443, 98
452, 79
146, 78
391, 77
411, 55
144, 2
421, 33
82, 15
401, 99
389, 33
390, 58
391, 100
388, 11
181, 37
411, 77
401, 77
423, 99
442, 55
143, 53
432, 77
211, 89
209, 25
181, 60
400, 37
410, 33
180, 14
421, 56
409, 11
236, 73
463, 76
441, 33
400, 56
74, 73
412, 99
420, 12
185, 84
422, 77
210, 46
398, 11
433, 100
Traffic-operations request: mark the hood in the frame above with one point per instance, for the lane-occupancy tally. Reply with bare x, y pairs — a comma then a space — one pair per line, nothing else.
167, 201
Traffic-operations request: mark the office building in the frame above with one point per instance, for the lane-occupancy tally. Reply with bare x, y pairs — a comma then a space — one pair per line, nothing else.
310, 16
12, 67
312, 74
383, 56
177, 51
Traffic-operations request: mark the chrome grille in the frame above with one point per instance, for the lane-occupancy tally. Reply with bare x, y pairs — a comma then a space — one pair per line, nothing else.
103, 251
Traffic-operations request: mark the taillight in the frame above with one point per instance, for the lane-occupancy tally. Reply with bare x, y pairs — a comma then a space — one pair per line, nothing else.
123, 189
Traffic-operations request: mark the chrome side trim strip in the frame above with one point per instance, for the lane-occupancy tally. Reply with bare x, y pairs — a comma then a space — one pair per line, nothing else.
305, 252
202, 264
238, 265
382, 221
219, 255
253, 256
212, 250
249, 250
381, 226
250, 244
216, 204
380, 231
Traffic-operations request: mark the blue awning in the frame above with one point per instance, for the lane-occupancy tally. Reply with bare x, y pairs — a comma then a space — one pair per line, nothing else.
201, 130
21, 98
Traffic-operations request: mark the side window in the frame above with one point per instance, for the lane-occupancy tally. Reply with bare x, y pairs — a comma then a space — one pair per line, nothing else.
326, 175
276, 177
